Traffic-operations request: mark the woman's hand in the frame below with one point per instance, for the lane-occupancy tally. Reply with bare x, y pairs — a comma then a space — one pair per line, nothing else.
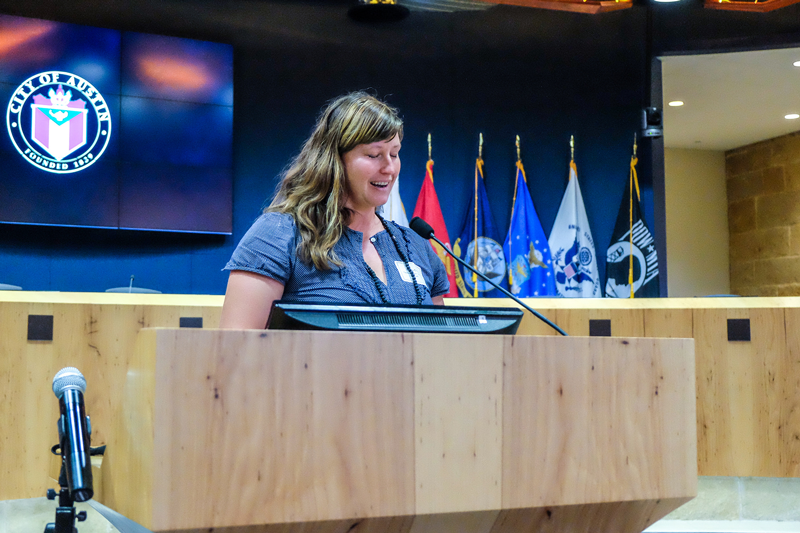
248, 300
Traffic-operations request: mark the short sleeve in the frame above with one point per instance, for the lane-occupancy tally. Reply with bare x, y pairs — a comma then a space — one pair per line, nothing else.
268, 247
441, 285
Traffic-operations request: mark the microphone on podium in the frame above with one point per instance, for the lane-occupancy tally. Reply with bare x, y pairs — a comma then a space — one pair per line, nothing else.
73, 432
424, 230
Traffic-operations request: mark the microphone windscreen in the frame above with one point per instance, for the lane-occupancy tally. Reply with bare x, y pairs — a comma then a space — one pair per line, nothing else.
68, 378
422, 228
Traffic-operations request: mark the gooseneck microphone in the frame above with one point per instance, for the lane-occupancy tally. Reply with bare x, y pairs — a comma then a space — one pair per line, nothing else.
73, 432
424, 230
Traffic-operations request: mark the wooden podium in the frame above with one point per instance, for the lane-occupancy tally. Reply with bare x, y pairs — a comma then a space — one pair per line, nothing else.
333, 432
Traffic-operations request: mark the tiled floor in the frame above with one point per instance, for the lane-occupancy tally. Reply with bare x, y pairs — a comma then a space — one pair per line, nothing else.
32, 515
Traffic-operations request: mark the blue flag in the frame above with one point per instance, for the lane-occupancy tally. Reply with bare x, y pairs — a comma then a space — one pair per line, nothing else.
484, 253
530, 267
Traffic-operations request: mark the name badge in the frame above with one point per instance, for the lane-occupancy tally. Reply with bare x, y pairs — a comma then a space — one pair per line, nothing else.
406, 276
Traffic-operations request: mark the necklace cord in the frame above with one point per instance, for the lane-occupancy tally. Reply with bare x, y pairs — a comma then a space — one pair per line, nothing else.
406, 262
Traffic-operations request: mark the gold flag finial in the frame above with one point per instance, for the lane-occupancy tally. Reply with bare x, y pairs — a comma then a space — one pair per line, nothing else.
572, 147
634, 144
429, 147
480, 146
518, 156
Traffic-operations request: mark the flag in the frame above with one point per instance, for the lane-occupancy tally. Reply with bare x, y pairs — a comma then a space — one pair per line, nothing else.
631, 260
572, 245
484, 253
428, 209
530, 267
393, 209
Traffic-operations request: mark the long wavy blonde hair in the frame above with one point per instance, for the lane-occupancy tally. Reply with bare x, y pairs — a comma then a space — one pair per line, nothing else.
313, 189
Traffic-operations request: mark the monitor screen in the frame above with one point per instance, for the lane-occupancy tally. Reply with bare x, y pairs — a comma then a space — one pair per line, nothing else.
389, 317
112, 129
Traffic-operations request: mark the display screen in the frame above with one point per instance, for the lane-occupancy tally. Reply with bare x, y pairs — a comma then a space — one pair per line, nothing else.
114, 129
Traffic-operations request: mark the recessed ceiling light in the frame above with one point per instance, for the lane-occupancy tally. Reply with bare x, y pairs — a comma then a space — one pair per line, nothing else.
796, 63
792, 116
675, 103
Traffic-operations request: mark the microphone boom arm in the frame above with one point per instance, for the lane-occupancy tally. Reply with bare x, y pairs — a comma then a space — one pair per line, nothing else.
501, 289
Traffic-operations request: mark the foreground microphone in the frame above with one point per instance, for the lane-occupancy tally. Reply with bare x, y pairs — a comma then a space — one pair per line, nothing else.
424, 230
73, 432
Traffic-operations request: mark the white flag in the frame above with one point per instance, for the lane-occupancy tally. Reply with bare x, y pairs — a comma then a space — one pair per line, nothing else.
572, 245
393, 209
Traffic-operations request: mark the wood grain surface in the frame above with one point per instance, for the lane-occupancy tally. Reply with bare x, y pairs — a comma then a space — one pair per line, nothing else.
248, 428
748, 393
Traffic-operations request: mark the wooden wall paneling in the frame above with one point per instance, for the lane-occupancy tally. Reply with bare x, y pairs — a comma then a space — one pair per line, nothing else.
714, 429
17, 461
36, 402
668, 323
627, 323
107, 340
532, 325
576, 321
751, 389
789, 428
458, 389
96, 338
624, 322
739, 394
767, 361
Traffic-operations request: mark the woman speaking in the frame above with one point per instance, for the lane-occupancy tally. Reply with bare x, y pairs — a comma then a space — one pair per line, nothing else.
322, 238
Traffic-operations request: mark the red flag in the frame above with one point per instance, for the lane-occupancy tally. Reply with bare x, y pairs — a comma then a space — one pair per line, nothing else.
428, 209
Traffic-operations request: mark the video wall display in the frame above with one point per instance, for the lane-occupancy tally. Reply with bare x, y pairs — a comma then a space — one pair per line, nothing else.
114, 129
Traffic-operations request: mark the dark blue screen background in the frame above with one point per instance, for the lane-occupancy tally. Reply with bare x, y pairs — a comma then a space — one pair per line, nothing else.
168, 163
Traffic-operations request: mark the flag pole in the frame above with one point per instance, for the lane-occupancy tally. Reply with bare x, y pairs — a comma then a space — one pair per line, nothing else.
516, 181
572, 164
572, 148
632, 176
514, 204
475, 247
429, 164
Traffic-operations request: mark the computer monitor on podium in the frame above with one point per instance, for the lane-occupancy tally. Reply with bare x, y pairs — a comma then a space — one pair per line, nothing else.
397, 318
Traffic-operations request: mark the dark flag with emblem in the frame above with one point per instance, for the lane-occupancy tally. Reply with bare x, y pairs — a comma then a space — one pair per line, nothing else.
480, 246
631, 261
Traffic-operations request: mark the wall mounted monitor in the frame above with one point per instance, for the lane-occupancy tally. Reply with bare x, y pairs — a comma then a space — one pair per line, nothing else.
112, 129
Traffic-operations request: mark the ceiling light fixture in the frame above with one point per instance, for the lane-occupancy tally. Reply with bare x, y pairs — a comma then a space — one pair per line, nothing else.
377, 11
792, 116
675, 103
796, 64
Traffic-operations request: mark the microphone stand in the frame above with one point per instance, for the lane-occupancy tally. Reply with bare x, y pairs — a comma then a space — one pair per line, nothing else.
65, 512
492, 283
